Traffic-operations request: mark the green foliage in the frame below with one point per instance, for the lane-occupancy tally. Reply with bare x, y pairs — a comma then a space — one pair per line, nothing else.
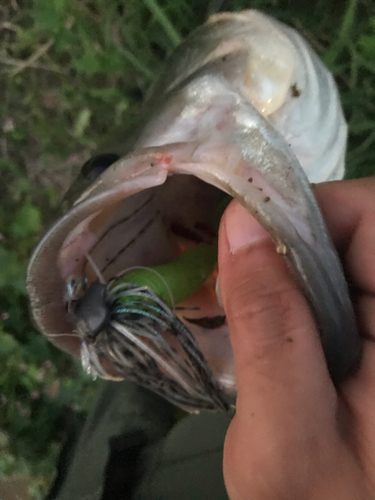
72, 76
39, 386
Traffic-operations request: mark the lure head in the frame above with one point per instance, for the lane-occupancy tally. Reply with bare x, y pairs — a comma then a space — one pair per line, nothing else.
202, 136
92, 312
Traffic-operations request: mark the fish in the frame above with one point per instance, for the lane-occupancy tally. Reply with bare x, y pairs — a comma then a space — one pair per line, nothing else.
243, 109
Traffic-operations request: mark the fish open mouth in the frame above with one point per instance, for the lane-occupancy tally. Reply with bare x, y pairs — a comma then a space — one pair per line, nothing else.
180, 349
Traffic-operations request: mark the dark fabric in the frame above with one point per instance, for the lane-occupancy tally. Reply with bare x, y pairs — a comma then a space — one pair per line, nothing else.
121, 473
74, 426
136, 446
187, 463
124, 419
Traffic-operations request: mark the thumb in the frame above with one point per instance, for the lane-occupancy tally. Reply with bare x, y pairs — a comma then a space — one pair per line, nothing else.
283, 387
273, 334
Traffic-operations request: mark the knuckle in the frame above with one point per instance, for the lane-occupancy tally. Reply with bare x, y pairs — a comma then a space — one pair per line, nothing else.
248, 301
265, 315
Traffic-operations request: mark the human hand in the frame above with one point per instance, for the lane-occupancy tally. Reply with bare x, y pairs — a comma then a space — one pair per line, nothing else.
295, 436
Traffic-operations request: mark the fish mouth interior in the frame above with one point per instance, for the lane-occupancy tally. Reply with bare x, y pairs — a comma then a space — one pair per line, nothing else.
154, 227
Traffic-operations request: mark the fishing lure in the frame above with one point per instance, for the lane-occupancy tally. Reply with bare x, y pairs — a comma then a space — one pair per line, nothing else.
135, 310
178, 280
133, 328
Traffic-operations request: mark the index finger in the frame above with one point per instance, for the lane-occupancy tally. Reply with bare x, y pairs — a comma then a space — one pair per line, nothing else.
349, 210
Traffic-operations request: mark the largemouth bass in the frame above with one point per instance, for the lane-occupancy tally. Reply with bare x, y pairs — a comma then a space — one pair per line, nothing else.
243, 107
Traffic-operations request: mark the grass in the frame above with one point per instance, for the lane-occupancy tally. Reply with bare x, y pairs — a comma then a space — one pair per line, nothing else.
72, 76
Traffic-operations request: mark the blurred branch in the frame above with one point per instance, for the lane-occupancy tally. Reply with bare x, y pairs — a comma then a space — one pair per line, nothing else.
43, 49
20, 65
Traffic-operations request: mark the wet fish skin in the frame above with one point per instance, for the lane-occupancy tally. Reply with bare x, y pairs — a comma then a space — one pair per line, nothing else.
278, 72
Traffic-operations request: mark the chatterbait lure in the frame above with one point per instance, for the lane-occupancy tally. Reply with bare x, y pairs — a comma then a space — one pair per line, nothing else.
135, 310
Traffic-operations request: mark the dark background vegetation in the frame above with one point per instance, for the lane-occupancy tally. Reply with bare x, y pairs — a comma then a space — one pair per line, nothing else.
72, 76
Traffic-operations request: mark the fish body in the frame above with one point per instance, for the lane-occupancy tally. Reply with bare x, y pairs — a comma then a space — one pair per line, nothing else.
243, 107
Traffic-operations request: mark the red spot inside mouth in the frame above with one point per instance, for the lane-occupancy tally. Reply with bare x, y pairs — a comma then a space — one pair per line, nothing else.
163, 159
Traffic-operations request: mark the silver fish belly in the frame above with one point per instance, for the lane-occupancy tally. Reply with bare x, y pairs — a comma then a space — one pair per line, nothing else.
243, 107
